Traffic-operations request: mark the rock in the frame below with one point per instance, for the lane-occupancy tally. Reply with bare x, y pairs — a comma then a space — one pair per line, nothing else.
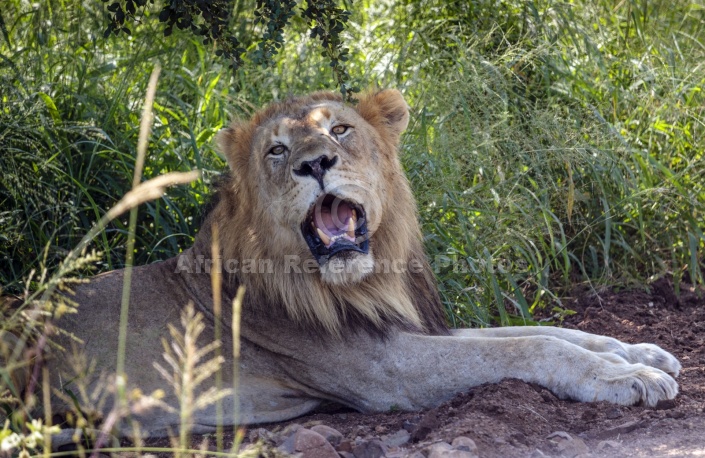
312, 445
435, 450
410, 425
284, 439
608, 444
370, 449
428, 423
559, 434
465, 444
614, 413
451, 454
346, 455
568, 446
333, 436
397, 439
290, 429
665, 404
259, 434
345, 446
445, 450
286, 445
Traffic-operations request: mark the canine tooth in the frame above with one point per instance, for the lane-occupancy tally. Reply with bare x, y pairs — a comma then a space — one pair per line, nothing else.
354, 215
351, 228
322, 235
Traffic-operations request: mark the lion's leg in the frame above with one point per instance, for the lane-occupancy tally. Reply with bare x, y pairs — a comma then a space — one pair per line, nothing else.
259, 400
412, 371
644, 353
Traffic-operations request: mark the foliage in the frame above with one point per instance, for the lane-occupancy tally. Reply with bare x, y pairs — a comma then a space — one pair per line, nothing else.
563, 140
212, 20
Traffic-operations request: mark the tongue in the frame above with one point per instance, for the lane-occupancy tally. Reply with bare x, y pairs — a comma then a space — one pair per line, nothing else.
334, 224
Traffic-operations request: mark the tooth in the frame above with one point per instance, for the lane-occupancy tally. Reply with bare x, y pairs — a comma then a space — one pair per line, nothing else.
324, 238
351, 227
354, 215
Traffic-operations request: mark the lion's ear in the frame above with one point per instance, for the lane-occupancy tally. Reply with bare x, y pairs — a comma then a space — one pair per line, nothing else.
386, 108
228, 143
223, 139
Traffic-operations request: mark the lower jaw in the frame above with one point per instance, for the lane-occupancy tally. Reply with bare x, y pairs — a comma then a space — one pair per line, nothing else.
343, 271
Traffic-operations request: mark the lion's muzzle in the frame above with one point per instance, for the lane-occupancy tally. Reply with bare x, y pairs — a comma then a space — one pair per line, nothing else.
335, 226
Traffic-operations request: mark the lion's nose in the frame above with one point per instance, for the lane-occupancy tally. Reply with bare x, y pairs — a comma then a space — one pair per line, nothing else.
316, 168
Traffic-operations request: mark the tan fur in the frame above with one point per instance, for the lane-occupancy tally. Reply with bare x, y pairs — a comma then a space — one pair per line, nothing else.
371, 340
379, 298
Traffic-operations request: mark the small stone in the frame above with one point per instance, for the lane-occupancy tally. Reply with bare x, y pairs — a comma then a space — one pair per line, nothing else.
445, 450
397, 439
537, 454
259, 434
465, 444
453, 454
438, 446
345, 446
410, 425
608, 444
428, 423
559, 434
614, 413
286, 445
333, 436
370, 449
346, 455
568, 446
380, 429
290, 429
313, 445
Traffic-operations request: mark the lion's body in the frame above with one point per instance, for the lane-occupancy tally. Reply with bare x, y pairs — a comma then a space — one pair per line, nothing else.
369, 335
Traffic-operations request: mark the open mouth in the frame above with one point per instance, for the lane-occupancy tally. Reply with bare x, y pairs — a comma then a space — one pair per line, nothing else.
334, 226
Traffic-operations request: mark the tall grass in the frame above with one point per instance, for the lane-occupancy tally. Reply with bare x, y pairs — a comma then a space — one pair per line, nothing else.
563, 145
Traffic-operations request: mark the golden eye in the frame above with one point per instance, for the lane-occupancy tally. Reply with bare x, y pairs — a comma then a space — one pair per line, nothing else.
339, 129
277, 150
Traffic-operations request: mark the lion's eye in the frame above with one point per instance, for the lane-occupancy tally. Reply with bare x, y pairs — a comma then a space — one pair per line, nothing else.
277, 150
339, 129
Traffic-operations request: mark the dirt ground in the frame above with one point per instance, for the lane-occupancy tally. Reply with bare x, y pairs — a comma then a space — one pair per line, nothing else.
515, 419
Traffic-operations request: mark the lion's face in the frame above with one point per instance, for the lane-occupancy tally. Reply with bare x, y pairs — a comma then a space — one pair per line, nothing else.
316, 170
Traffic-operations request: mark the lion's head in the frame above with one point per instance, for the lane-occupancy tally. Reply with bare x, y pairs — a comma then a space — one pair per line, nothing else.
320, 216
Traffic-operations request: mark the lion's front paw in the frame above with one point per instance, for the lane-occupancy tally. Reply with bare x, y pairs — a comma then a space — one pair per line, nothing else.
635, 384
654, 356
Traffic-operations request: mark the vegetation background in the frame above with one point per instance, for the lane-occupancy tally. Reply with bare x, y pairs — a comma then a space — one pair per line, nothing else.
552, 143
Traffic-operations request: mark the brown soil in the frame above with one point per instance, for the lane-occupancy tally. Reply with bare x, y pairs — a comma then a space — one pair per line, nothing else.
515, 419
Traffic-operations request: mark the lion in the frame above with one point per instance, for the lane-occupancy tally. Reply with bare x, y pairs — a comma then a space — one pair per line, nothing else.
317, 221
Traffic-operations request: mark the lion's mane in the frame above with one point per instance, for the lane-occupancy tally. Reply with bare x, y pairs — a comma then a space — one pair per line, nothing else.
382, 301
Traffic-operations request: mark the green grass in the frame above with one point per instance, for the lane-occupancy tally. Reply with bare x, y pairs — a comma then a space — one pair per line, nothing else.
562, 141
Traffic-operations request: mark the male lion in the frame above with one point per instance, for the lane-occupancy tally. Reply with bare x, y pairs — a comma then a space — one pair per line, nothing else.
316, 219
